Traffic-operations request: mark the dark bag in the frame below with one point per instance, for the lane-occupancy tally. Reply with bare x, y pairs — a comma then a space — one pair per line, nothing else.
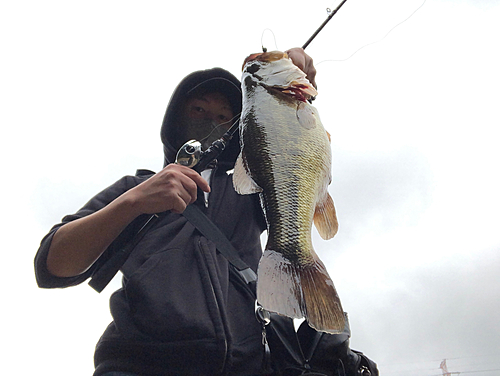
309, 352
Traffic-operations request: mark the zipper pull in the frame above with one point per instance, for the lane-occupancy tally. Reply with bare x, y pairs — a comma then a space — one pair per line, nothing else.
264, 318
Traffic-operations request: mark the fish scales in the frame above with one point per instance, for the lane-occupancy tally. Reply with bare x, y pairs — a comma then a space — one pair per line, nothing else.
287, 197
286, 157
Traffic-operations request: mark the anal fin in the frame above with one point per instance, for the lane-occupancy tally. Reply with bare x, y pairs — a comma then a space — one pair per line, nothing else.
325, 218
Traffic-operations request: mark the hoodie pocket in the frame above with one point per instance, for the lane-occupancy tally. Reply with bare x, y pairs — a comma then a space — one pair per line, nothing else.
171, 297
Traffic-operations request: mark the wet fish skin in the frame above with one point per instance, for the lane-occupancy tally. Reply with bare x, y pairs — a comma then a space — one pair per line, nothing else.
286, 156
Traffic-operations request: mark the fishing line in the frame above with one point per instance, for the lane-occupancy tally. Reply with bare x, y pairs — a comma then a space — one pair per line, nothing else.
221, 124
380, 40
264, 49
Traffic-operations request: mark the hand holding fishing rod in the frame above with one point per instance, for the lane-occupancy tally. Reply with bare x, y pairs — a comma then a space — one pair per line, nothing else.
189, 162
191, 154
172, 189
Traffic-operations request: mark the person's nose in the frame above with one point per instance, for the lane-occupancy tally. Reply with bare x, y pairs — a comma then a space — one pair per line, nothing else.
209, 115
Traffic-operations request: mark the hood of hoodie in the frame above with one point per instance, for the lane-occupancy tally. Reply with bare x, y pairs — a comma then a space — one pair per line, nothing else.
215, 79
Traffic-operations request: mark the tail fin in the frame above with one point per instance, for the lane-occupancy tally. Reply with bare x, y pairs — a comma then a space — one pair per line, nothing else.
297, 291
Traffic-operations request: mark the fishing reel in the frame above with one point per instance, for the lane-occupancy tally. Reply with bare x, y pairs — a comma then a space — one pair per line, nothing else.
191, 154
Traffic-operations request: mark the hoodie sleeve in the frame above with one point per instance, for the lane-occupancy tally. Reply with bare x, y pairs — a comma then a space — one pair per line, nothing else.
47, 280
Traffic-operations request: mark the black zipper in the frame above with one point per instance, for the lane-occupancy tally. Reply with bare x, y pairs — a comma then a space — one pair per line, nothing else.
221, 369
218, 309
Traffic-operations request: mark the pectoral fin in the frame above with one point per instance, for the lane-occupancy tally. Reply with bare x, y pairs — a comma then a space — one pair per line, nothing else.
325, 218
242, 181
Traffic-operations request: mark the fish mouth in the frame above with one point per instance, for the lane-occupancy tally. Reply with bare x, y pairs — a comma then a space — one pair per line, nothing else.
284, 76
299, 92
299, 89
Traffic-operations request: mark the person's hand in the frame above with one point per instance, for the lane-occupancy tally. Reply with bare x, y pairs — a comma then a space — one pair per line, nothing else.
173, 188
304, 62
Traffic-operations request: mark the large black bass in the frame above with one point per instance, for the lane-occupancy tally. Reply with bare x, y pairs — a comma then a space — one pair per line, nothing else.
286, 156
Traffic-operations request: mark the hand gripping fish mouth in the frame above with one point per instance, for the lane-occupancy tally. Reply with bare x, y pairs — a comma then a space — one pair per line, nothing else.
286, 157
282, 76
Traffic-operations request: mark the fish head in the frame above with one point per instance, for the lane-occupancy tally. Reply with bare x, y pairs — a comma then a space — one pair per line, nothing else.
276, 70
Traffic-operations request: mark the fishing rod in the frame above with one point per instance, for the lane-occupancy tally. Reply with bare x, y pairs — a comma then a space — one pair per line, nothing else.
190, 155
330, 16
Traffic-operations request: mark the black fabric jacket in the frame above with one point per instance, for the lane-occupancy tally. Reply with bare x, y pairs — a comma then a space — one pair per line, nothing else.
179, 312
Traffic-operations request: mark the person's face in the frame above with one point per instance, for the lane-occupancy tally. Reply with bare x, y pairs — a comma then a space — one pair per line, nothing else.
206, 118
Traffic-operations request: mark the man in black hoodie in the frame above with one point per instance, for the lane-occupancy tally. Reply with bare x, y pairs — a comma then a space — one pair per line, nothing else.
179, 312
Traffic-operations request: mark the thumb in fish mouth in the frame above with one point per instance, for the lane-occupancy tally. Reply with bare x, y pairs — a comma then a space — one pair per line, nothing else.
304, 62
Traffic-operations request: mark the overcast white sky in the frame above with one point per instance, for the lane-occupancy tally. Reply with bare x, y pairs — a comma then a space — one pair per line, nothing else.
414, 121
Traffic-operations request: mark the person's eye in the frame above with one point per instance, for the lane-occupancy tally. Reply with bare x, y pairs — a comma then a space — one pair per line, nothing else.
198, 109
223, 118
